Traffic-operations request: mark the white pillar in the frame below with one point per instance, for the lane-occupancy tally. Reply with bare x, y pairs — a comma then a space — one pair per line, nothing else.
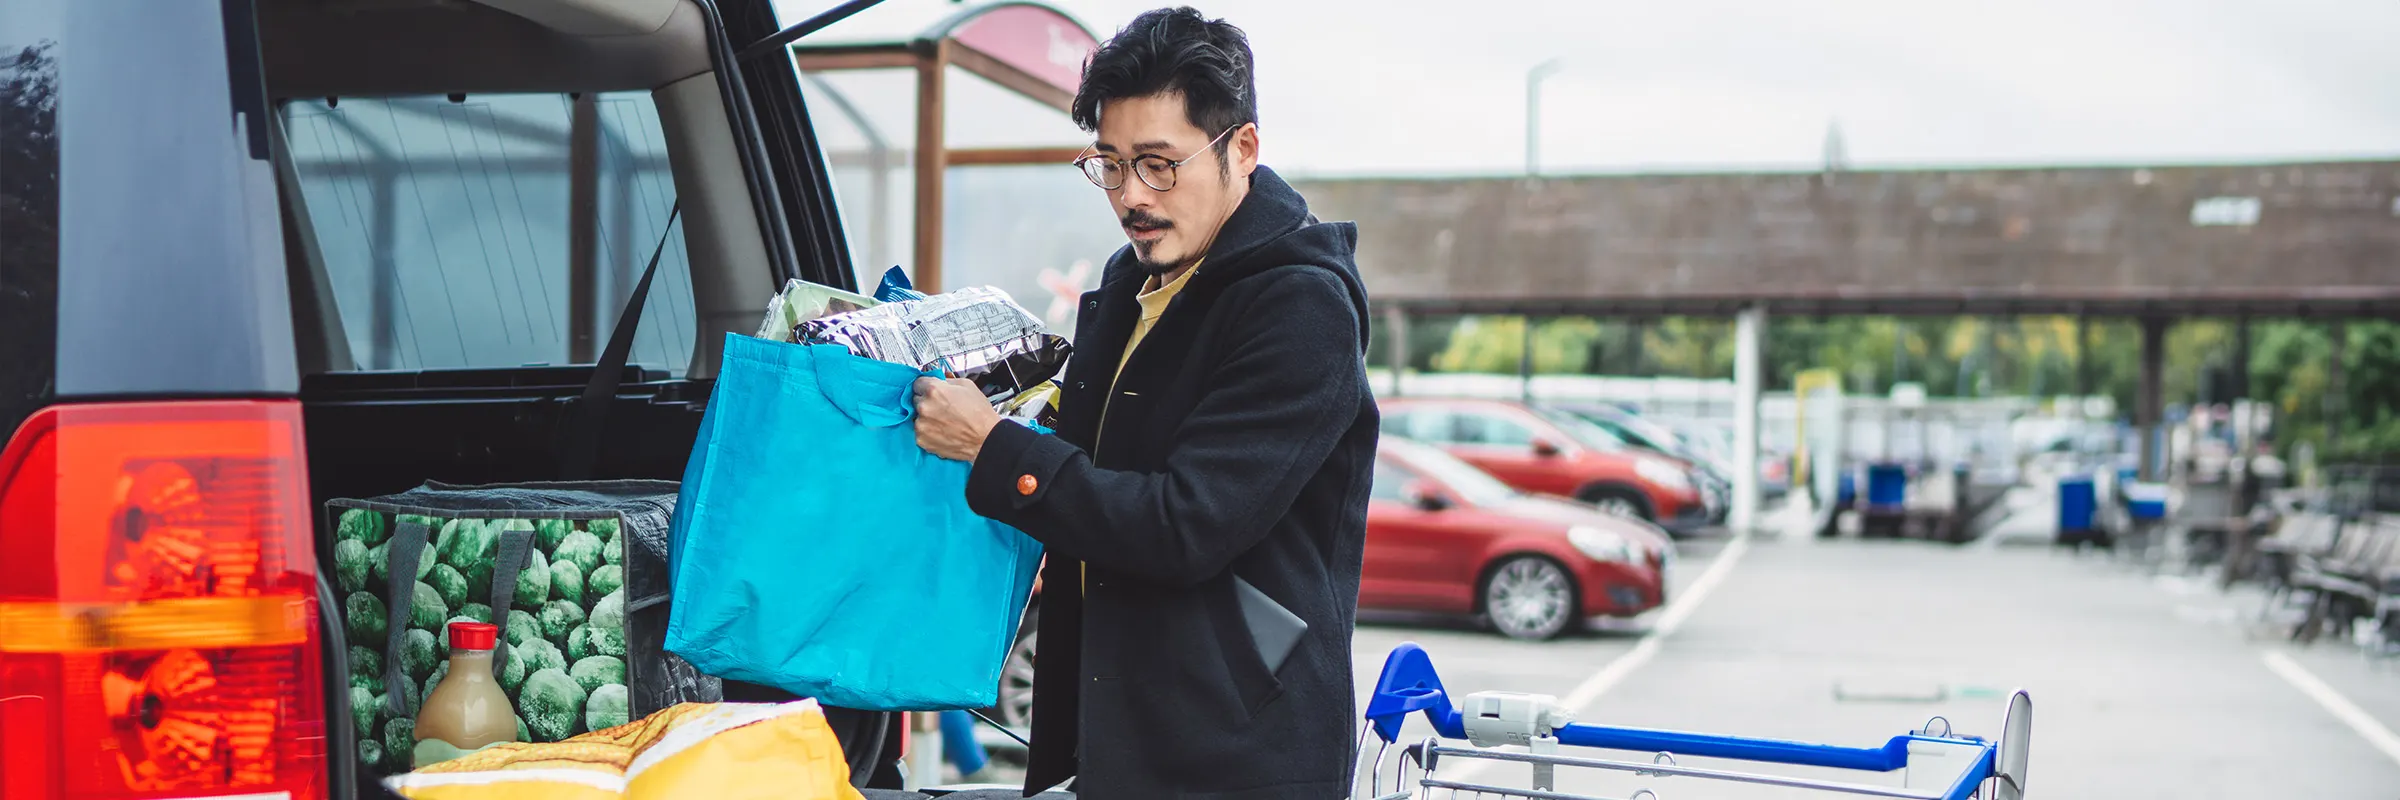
1749, 341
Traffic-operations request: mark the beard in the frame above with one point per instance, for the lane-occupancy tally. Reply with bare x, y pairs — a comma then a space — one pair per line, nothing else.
1145, 253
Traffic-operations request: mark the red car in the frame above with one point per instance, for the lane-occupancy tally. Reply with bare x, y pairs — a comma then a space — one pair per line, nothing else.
1443, 536
1555, 453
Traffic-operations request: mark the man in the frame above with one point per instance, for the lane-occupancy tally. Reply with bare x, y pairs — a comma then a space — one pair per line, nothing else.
1212, 463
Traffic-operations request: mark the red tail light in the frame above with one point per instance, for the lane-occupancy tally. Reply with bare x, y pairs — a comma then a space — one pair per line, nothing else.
158, 607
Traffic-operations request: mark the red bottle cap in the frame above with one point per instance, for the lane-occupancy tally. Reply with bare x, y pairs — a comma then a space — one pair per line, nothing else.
466, 635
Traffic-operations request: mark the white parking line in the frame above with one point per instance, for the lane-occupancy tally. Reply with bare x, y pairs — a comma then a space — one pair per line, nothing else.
1616, 670
2334, 703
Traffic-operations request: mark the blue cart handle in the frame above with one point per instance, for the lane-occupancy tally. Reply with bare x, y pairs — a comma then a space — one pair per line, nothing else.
1409, 685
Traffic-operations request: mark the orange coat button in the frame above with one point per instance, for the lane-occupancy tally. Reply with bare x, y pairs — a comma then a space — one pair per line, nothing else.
1026, 484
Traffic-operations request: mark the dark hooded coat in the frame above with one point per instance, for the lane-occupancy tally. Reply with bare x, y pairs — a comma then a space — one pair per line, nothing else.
1239, 440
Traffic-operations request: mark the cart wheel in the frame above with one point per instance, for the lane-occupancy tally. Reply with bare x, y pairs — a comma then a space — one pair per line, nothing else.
1530, 597
2013, 755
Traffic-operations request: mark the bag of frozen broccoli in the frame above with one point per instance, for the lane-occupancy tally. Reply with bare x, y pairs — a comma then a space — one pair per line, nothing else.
573, 573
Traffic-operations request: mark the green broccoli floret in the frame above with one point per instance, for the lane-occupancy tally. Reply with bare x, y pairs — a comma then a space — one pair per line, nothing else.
367, 682
370, 752
400, 741
607, 707
560, 617
364, 616
475, 611
608, 578
580, 644
609, 613
434, 523
592, 640
364, 661
362, 711
582, 548
410, 698
597, 671
350, 567
552, 705
533, 582
440, 671
614, 551
566, 582
547, 533
513, 668
418, 654
452, 585
523, 735
540, 655
361, 526
471, 546
523, 627
379, 564
603, 527
427, 611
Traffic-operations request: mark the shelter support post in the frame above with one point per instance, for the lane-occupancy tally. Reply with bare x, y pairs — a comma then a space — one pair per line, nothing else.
1525, 360
1395, 321
931, 162
583, 228
2083, 357
2150, 402
2241, 358
1749, 350
2337, 388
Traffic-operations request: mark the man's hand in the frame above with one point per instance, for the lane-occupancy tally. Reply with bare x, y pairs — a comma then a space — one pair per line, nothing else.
953, 418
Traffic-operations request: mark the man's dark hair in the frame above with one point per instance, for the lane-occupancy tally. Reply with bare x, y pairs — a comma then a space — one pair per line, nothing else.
1174, 50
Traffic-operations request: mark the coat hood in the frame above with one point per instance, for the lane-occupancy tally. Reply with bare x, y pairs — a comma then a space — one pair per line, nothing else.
1272, 228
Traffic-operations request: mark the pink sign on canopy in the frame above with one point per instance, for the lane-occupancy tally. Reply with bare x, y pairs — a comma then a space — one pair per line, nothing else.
1035, 39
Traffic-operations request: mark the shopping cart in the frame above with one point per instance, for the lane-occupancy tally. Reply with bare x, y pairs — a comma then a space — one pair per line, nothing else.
1932, 756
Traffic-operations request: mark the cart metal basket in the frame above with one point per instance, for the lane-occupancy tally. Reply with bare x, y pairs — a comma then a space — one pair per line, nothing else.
1995, 768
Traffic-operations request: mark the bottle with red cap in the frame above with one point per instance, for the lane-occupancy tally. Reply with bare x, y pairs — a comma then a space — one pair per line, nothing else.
467, 711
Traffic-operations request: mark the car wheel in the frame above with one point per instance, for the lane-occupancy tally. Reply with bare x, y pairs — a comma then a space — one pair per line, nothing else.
1016, 680
1618, 502
1530, 597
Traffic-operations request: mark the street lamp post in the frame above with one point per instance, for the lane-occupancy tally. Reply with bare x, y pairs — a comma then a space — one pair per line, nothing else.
1533, 112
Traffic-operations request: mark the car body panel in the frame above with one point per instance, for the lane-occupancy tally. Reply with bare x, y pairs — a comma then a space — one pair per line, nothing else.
1419, 559
1582, 463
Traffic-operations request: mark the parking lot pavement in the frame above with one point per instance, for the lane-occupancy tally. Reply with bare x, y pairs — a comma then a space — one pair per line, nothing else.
2143, 687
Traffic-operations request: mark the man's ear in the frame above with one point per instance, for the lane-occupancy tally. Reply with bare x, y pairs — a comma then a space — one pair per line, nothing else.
1245, 150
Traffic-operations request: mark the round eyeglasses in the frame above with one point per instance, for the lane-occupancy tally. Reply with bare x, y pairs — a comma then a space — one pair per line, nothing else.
1156, 171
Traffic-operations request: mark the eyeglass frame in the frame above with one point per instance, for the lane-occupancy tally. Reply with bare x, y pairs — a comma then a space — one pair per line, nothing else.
1174, 167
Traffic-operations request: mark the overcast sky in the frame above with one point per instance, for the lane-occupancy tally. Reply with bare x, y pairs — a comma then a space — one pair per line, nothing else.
1419, 86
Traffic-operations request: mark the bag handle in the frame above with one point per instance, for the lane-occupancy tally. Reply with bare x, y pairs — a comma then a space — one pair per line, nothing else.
516, 547
407, 549
877, 394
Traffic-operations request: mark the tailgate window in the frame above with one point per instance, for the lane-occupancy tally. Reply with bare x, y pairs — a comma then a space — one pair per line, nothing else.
28, 209
446, 230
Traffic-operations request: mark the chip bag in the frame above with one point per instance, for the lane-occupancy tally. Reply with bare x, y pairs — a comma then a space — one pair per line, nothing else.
719, 751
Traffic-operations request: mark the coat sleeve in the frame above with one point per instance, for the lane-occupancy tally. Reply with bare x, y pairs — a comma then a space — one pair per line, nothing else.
1275, 409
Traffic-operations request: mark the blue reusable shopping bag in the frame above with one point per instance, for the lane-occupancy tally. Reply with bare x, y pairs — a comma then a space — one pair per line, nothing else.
817, 549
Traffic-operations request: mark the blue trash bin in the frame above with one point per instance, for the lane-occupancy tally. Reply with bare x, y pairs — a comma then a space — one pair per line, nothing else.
2146, 502
1887, 487
2078, 500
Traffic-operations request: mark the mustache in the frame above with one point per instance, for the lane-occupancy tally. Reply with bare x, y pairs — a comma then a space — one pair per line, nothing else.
1144, 219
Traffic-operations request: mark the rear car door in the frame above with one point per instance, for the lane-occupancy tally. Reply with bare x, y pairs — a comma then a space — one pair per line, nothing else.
158, 601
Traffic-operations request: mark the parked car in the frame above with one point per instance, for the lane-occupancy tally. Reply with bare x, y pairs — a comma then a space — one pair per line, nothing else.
1551, 452
1445, 537
1713, 472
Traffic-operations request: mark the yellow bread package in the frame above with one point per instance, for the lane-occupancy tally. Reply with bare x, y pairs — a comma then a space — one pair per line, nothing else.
719, 751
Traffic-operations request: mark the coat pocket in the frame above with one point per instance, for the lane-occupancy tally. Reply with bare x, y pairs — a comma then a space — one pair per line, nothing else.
1254, 685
